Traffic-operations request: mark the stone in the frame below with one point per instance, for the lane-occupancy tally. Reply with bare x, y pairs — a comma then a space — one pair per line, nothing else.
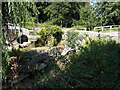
65, 52
42, 65
9, 47
25, 44
38, 51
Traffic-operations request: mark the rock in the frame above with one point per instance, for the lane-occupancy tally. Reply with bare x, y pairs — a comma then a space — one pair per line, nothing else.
25, 44
46, 61
42, 65
65, 52
7, 42
9, 47
38, 51
83, 41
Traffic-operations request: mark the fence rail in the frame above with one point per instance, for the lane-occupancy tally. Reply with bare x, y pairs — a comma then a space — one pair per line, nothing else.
109, 27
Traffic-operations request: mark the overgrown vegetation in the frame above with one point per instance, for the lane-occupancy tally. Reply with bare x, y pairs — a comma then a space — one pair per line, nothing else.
15, 13
5, 57
96, 62
74, 39
50, 35
95, 65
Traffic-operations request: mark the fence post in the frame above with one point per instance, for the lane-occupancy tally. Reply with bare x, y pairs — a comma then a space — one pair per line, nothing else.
94, 28
110, 27
102, 28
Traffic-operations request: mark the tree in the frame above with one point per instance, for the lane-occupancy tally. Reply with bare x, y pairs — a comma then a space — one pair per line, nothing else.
42, 17
65, 13
87, 16
107, 13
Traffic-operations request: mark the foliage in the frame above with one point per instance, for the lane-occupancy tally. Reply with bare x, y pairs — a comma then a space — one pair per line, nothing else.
5, 62
67, 14
107, 13
87, 16
15, 13
94, 66
50, 32
64, 13
56, 31
5, 57
42, 17
73, 39
28, 25
45, 34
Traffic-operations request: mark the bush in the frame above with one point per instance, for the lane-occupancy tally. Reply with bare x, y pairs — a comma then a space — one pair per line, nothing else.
52, 34
96, 65
56, 32
5, 58
72, 39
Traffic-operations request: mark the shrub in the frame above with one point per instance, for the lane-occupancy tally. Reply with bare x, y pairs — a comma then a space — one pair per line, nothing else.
50, 34
56, 33
72, 39
96, 65
5, 56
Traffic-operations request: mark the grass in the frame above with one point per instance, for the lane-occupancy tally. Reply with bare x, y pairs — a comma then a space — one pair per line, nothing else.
78, 26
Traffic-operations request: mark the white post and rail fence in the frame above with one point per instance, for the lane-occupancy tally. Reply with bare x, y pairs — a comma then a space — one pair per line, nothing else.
110, 27
107, 27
